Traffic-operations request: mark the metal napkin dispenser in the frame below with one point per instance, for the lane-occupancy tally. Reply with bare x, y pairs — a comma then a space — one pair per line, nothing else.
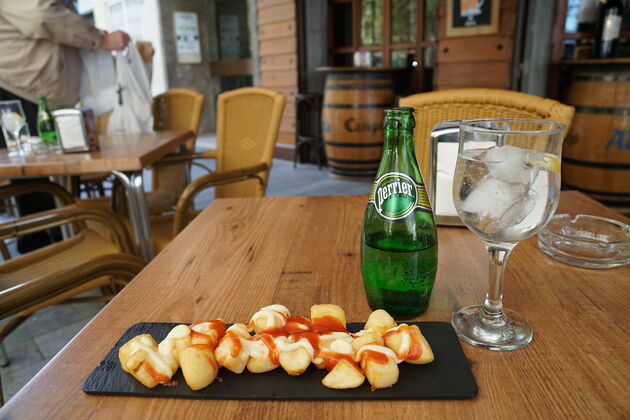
443, 151
76, 129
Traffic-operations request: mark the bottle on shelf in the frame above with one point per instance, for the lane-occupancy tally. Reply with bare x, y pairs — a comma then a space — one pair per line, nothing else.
46, 125
608, 28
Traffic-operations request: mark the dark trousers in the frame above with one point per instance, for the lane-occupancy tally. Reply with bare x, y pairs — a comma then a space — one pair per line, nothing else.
36, 202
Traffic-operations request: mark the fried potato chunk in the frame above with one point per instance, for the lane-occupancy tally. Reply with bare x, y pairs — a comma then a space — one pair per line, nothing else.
296, 361
272, 316
140, 357
366, 337
409, 344
232, 352
198, 366
379, 364
328, 310
261, 357
344, 375
380, 321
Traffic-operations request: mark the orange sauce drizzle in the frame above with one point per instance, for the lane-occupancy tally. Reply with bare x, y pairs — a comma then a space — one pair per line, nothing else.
155, 375
331, 359
312, 338
237, 346
415, 347
374, 356
271, 345
294, 324
327, 324
216, 325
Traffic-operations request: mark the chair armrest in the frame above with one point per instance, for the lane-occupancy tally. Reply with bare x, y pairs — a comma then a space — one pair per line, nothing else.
68, 214
53, 189
211, 180
185, 157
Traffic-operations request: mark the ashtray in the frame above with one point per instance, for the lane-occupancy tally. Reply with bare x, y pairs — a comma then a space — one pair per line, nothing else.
586, 241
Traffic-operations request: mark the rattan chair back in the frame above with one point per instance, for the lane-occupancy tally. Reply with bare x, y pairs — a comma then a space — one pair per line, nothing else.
248, 120
463, 104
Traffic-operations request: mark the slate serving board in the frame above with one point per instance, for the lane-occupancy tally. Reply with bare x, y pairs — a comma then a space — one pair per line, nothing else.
447, 377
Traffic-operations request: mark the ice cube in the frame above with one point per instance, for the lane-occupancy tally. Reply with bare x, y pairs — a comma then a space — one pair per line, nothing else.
493, 197
519, 210
510, 164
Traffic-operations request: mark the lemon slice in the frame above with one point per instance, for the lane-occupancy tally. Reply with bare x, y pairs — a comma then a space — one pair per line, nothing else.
550, 162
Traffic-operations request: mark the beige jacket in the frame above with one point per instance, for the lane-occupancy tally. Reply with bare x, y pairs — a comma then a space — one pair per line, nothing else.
39, 50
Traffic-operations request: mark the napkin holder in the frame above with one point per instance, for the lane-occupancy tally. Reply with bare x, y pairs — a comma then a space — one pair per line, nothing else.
76, 129
443, 149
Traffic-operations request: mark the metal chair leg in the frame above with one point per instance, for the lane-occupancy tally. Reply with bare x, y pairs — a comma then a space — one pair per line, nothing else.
4, 359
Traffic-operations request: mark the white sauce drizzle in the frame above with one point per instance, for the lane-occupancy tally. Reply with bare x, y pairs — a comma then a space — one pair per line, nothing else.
154, 357
380, 349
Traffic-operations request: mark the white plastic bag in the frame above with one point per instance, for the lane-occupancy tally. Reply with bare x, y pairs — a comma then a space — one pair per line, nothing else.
133, 115
98, 81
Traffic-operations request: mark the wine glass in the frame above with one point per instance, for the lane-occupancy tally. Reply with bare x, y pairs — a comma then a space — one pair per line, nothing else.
13, 124
506, 189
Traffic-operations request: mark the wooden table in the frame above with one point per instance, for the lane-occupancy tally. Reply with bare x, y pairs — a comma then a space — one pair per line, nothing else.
125, 155
242, 254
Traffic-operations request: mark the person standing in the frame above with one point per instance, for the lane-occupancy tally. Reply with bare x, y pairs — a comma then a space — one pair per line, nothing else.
40, 42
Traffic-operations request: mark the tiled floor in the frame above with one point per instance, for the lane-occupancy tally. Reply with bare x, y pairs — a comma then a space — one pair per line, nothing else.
38, 339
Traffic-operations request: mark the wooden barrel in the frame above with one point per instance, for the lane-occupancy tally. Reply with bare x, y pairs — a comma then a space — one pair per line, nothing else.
352, 121
596, 155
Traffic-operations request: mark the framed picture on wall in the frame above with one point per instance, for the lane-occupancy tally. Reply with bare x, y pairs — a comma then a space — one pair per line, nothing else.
472, 17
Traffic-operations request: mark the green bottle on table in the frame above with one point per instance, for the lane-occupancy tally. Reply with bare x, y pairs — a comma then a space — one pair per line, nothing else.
399, 239
45, 124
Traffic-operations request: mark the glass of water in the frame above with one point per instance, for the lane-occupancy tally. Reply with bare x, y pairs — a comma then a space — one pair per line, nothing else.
14, 126
506, 189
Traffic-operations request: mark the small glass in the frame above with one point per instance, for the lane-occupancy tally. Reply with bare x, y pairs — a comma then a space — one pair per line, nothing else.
14, 126
506, 188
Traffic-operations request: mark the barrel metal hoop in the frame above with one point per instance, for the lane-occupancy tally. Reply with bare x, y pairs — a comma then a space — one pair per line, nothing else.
601, 110
359, 106
358, 87
353, 161
358, 75
599, 165
338, 144
602, 78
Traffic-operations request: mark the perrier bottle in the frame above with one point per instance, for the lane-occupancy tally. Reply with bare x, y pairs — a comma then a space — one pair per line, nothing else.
399, 240
45, 124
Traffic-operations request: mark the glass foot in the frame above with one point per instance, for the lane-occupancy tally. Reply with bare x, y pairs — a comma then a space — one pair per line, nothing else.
508, 331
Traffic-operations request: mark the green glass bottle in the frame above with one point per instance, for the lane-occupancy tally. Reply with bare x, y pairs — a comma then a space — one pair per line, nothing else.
45, 124
399, 239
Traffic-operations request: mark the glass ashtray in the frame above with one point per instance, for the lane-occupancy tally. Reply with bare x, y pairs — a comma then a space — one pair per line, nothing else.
586, 241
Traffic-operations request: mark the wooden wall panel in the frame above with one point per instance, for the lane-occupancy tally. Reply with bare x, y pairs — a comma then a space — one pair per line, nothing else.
477, 61
277, 46
277, 30
277, 49
279, 62
276, 13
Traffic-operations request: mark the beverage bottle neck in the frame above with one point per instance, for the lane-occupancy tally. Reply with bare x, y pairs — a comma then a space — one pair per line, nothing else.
399, 151
42, 103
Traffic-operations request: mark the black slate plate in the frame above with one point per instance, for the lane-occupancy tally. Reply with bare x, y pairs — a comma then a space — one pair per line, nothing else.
447, 377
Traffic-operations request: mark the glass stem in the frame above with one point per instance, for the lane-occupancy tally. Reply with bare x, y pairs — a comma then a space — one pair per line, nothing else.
497, 258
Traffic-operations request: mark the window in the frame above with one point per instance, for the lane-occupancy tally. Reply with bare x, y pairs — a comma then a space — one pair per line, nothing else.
396, 33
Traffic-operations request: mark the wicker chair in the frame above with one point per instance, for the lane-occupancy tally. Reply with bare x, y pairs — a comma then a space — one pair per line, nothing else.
464, 104
58, 272
247, 127
176, 109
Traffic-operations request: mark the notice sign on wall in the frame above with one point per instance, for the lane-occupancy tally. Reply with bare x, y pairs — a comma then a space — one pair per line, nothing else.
187, 37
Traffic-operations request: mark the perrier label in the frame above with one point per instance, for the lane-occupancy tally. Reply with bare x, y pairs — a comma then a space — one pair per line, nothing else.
395, 195
399, 239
